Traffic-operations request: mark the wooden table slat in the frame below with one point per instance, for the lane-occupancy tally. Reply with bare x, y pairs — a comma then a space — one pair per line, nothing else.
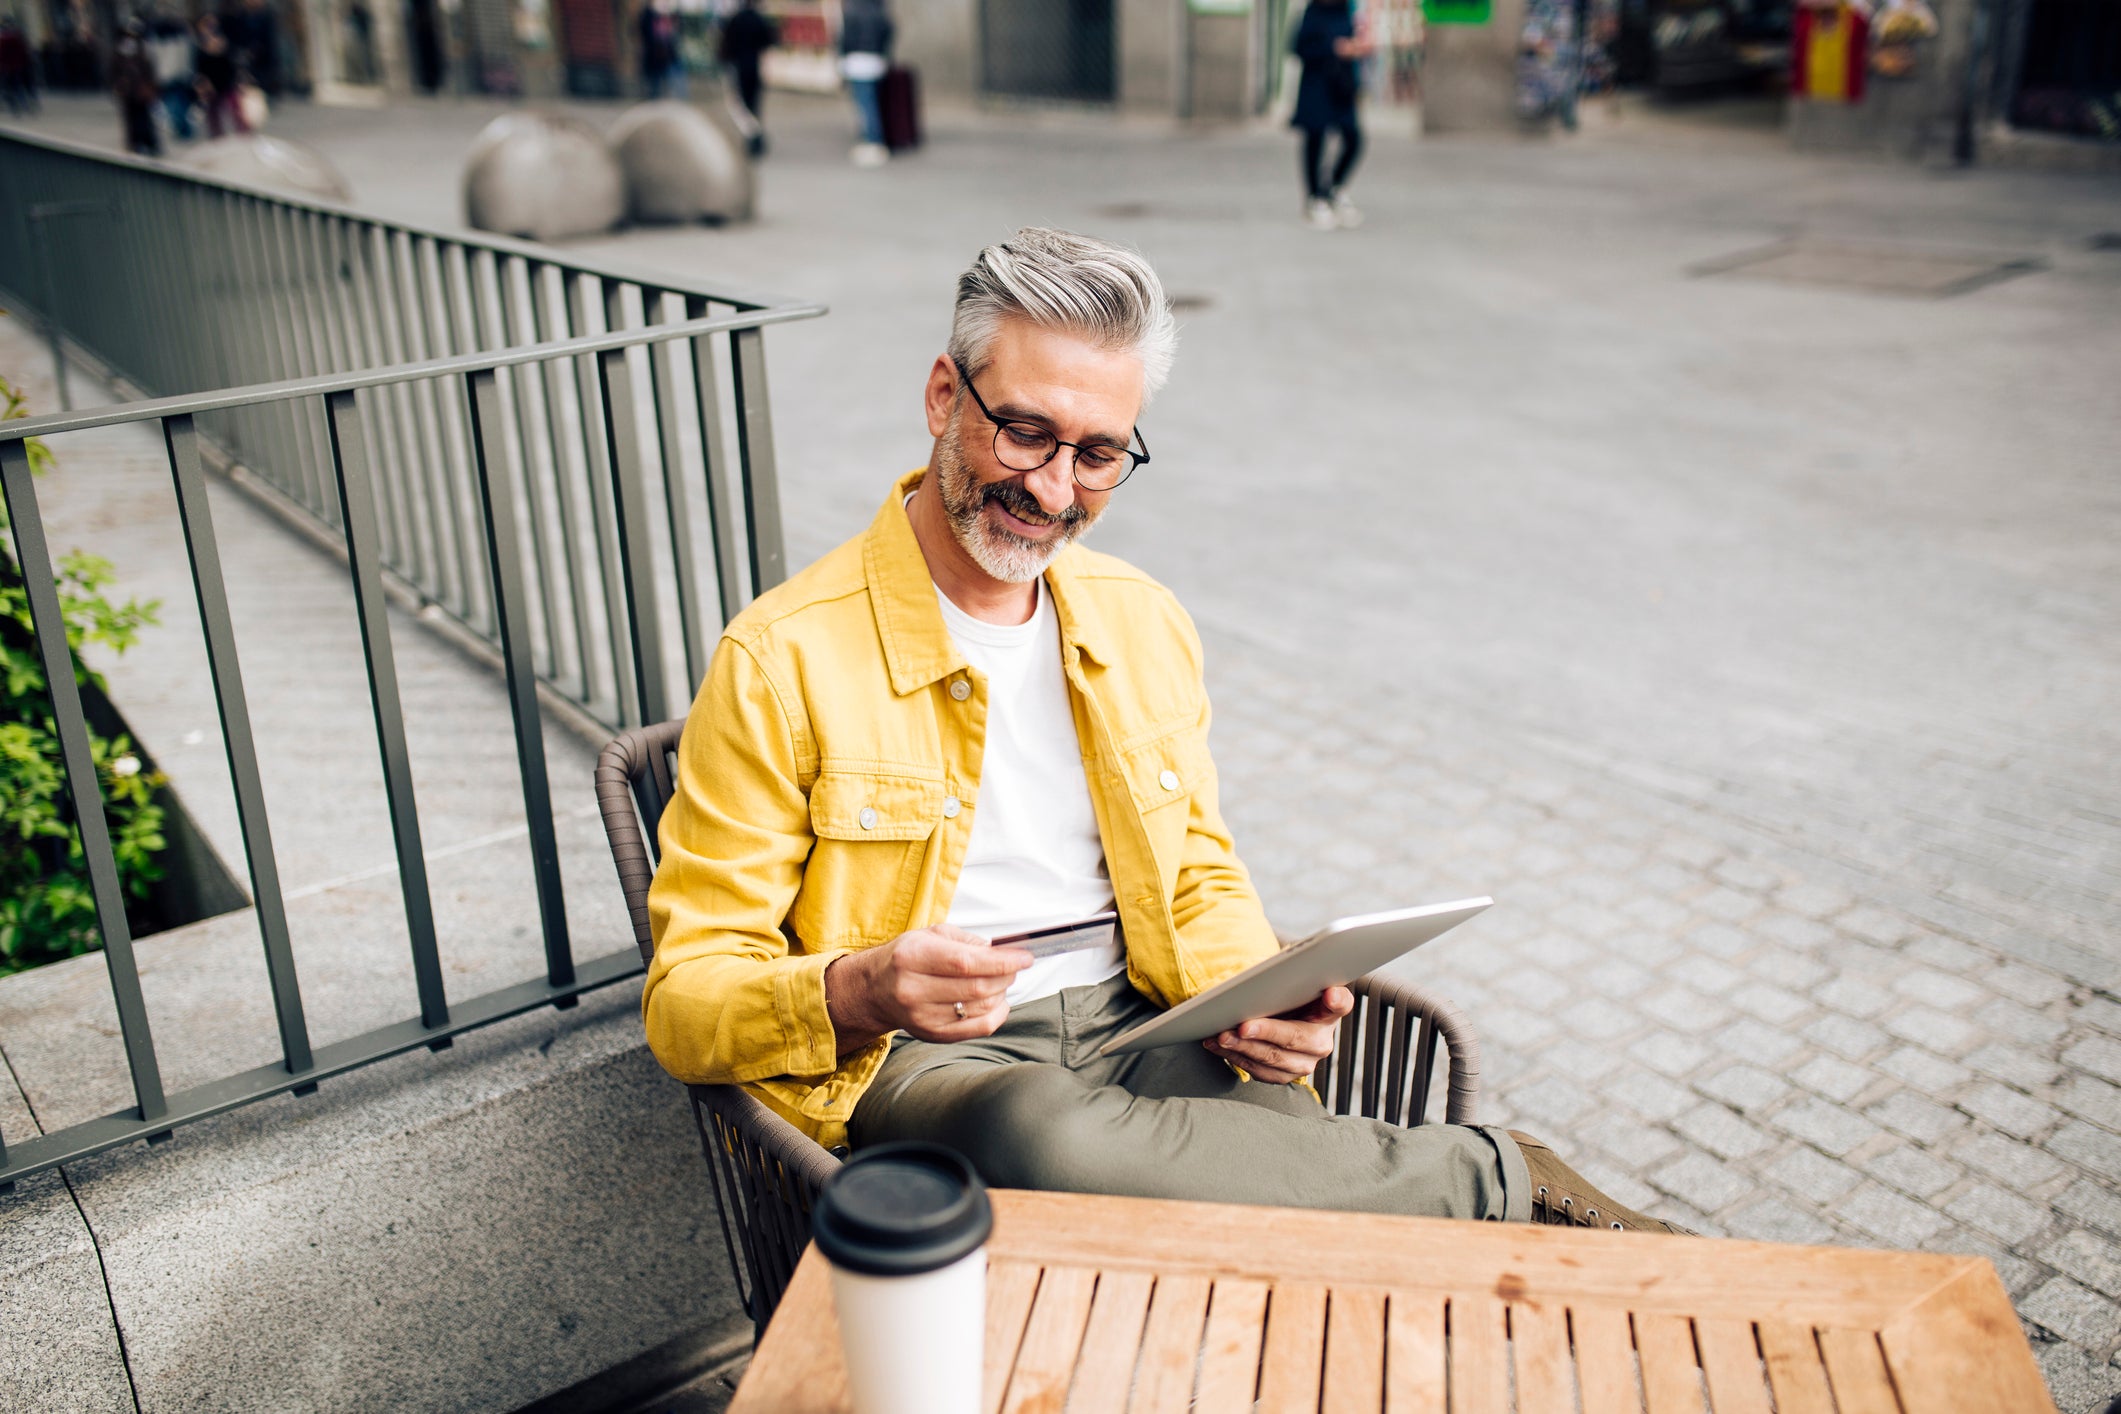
1237, 1327
1795, 1369
1671, 1381
1105, 1370
1294, 1359
1414, 1353
1856, 1367
1539, 1342
1010, 1289
1480, 1356
1730, 1361
1171, 1345
1605, 1360
1355, 1352
1045, 1362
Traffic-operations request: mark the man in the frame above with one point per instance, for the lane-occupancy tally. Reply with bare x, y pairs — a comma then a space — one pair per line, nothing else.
746, 36
959, 725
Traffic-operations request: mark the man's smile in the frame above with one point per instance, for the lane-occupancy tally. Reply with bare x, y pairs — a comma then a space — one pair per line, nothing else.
1023, 529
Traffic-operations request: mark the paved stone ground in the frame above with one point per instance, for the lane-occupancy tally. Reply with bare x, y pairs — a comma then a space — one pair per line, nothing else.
1751, 643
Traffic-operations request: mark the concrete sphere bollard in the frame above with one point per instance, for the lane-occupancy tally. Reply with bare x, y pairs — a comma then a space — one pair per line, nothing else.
542, 176
683, 163
270, 162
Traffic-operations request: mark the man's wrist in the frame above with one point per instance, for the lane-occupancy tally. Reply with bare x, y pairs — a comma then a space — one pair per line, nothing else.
847, 1005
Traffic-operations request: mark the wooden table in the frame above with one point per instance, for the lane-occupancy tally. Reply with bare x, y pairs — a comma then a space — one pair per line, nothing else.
1123, 1304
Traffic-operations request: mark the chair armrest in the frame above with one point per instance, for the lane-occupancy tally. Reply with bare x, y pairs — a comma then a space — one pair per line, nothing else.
1387, 1049
633, 785
766, 1176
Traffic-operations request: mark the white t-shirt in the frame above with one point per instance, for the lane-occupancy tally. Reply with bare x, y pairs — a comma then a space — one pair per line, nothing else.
1035, 857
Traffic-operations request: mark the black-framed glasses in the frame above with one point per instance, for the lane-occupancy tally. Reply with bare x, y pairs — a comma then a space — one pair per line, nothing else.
1026, 446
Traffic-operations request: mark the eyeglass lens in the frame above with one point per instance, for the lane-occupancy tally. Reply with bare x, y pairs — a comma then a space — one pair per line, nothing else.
1025, 446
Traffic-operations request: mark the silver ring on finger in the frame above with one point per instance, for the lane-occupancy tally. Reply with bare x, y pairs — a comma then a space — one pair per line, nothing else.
959, 1008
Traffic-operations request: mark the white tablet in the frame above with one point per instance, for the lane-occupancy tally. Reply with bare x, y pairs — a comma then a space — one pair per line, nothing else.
1336, 955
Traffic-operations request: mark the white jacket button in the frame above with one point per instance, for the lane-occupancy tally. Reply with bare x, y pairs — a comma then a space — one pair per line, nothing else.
950, 808
1168, 780
960, 689
867, 817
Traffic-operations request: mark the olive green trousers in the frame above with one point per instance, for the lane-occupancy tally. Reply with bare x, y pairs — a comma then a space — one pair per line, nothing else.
1035, 1106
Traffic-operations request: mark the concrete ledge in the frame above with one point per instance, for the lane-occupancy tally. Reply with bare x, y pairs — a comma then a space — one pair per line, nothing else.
474, 1230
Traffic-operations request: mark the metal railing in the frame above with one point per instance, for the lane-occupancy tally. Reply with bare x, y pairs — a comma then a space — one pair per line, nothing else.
181, 283
516, 487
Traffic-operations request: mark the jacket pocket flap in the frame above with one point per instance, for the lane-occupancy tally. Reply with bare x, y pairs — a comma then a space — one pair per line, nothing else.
1167, 770
859, 805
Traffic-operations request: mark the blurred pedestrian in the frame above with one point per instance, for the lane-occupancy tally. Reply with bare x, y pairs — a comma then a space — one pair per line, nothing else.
214, 67
254, 33
132, 79
1330, 45
662, 67
169, 46
866, 32
746, 36
18, 69
428, 60
1561, 55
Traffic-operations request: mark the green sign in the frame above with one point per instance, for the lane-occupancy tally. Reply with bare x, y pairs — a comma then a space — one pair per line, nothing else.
1456, 12
1220, 7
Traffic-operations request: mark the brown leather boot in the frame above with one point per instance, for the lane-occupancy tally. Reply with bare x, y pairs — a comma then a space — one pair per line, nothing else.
1562, 1197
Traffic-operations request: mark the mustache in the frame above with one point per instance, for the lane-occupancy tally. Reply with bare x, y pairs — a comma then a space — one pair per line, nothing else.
1017, 501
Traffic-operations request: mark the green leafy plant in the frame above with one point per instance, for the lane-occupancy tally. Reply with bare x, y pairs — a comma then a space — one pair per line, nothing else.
47, 910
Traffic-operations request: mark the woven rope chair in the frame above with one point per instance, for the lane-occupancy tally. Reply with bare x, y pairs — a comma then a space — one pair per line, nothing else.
766, 1173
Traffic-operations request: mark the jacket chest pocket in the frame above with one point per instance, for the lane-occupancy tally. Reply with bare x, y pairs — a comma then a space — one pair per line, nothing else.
1162, 776
872, 831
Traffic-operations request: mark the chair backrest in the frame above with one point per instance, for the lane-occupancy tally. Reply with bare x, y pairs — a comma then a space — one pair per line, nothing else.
634, 780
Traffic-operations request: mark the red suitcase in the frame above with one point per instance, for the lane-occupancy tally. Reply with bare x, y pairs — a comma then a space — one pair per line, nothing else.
900, 96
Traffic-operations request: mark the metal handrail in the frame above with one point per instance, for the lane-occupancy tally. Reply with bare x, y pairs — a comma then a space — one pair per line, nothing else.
595, 495
154, 409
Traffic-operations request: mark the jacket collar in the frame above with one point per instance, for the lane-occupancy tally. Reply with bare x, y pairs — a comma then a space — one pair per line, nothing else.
917, 644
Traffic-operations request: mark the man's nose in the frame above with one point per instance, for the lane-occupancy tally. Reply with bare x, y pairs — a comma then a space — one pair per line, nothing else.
1054, 483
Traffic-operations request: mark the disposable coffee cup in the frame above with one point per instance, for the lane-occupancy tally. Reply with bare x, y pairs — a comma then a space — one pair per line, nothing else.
905, 1228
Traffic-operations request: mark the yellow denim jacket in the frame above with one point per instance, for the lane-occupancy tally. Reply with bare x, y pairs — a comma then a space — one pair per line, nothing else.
827, 783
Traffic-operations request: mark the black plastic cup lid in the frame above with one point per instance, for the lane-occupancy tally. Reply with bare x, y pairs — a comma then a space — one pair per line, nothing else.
900, 1210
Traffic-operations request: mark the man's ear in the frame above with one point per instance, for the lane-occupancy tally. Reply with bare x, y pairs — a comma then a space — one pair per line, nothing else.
940, 393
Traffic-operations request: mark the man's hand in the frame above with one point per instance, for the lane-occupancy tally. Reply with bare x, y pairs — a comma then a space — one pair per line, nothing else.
1281, 1050
938, 984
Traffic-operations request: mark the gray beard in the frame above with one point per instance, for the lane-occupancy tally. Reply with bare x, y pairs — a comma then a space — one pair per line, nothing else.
1001, 553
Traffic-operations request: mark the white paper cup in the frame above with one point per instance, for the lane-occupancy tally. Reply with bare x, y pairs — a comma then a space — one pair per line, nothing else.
905, 1227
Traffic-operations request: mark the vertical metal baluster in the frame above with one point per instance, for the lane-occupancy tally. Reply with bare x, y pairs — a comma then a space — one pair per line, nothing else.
465, 548
511, 325
663, 387
369, 353
549, 313
33, 559
504, 553
289, 470
636, 562
403, 310
421, 492
471, 548
585, 296
428, 395
357, 512
754, 440
305, 337
182, 440
722, 494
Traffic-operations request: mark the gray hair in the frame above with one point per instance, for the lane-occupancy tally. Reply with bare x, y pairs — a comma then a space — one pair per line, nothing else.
1059, 280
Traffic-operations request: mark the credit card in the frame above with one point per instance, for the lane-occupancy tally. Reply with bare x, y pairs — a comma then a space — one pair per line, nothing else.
1057, 938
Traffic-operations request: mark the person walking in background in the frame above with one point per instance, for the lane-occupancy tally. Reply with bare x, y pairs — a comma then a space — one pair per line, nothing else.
1329, 43
132, 79
254, 33
169, 46
214, 64
18, 70
1561, 55
746, 36
662, 69
865, 57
